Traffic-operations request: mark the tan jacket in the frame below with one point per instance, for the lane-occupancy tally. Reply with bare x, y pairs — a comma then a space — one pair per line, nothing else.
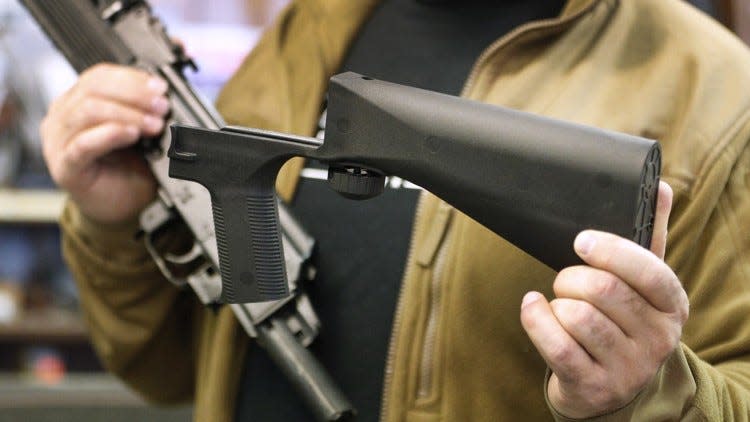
655, 68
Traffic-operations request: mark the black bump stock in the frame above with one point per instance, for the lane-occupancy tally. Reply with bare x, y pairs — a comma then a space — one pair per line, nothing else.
535, 181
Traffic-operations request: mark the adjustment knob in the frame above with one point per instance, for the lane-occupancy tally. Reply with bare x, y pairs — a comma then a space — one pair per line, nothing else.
355, 182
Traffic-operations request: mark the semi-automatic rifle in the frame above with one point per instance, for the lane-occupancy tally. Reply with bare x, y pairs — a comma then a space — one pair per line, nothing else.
126, 32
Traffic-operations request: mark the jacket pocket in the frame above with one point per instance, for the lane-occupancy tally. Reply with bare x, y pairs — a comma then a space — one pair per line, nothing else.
412, 383
434, 256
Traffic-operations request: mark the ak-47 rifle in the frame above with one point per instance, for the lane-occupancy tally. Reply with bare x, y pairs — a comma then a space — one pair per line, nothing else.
126, 32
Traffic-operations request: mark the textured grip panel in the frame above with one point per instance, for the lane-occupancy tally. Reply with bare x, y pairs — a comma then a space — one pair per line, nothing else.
266, 246
251, 259
227, 289
644, 218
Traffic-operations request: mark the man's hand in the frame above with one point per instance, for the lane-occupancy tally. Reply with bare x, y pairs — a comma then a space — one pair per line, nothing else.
86, 133
613, 322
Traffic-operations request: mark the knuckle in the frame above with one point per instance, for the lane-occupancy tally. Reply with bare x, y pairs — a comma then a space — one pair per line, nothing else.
603, 285
581, 313
684, 312
107, 111
605, 336
86, 112
73, 152
663, 345
637, 304
650, 277
580, 316
562, 354
89, 106
682, 308
654, 278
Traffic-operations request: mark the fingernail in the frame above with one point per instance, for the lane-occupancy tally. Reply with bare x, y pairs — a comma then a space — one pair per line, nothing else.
157, 85
160, 105
529, 298
584, 243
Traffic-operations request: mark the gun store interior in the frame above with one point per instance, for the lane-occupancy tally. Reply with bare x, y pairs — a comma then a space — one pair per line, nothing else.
48, 368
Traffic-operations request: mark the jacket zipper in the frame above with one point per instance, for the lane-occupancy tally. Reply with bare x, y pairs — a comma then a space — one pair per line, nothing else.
388, 377
428, 346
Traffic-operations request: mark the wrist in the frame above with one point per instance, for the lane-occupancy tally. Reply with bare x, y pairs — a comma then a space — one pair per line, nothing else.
113, 240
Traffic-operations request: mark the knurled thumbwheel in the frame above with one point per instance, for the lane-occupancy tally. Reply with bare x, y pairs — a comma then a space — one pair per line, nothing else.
355, 182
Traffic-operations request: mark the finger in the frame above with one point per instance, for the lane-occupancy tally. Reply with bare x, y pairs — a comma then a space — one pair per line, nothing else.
92, 144
567, 359
610, 295
646, 273
93, 111
598, 335
123, 84
661, 219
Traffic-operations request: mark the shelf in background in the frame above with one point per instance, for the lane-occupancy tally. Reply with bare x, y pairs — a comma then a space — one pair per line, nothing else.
42, 331
30, 205
45, 325
74, 390
95, 397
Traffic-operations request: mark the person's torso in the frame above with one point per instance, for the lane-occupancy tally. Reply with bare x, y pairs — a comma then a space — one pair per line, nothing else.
362, 245
644, 67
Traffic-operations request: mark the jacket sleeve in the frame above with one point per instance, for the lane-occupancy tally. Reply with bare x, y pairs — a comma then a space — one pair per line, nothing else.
716, 275
136, 319
708, 376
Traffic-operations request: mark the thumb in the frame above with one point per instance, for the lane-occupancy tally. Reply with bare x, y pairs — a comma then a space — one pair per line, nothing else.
661, 219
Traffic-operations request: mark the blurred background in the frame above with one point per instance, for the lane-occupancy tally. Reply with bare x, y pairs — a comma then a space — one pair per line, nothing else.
48, 371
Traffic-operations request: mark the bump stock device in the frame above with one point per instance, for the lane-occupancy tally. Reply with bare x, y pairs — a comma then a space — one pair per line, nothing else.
535, 181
